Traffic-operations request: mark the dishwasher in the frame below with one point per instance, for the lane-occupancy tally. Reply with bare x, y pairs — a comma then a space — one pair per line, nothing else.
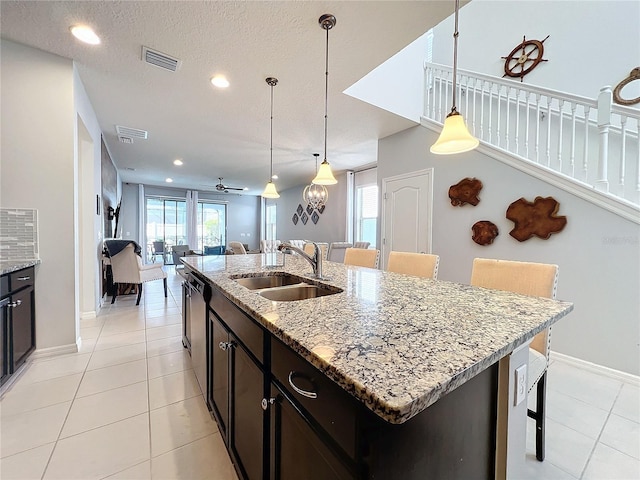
199, 294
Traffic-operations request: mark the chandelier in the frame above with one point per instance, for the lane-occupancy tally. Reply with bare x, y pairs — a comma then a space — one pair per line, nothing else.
314, 194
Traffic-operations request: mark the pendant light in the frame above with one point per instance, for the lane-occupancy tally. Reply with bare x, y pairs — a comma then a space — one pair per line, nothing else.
325, 175
455, 137
270, 190
315, 194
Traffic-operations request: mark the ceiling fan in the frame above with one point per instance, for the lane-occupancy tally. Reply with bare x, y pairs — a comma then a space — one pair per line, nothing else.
221, 187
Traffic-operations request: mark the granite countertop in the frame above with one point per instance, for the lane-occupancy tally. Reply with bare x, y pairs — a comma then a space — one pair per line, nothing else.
396, 343
9, 266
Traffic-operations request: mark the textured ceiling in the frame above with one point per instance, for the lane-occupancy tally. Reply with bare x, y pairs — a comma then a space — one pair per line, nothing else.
225, 133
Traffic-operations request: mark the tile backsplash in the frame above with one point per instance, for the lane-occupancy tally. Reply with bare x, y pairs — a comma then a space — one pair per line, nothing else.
18, 234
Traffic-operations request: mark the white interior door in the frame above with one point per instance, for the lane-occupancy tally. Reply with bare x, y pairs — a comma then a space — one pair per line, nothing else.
406, 213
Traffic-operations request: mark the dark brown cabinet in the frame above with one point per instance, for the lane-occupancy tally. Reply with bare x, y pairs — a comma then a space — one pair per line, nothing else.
297, 451
18, 328
236, 385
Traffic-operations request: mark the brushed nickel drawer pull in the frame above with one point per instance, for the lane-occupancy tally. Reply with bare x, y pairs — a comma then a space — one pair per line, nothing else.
304, 393
15, 304
24, 278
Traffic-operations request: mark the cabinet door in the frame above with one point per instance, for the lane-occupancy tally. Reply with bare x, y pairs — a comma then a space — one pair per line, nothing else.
4, 350
22, 326
296, 451
219, 371
248, 417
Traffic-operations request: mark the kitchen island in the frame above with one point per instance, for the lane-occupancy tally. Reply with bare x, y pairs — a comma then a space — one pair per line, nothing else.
408, 369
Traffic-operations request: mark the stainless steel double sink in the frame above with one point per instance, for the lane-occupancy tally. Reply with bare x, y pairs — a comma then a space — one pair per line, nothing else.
284, 287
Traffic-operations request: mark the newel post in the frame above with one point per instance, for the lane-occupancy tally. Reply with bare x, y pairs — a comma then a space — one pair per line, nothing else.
605, 99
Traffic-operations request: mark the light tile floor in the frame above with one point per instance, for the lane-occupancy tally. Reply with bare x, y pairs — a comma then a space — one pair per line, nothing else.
127, 406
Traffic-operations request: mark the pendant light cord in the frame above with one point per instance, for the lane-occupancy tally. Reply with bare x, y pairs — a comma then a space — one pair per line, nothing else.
326, 94
455, 57
271, 140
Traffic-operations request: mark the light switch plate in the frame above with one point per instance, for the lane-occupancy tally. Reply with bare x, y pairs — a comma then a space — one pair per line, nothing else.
521, 384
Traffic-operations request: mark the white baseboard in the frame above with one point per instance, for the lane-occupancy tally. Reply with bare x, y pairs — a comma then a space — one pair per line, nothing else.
88, 315
54, 351
595, 368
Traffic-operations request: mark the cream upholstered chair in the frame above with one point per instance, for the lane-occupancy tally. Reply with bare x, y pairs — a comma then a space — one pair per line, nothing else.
269, 246
361, 244
418, 264
309, 250
535, 279
127, 267
336, 251
361, 257
297, 243
237, 248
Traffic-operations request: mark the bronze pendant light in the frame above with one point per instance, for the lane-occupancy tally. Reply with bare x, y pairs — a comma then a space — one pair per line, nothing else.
270, 190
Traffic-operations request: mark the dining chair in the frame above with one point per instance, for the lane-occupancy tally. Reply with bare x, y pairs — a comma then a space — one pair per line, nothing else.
237, 248
418, 264
361, 257
178, 251
336, 251
297, 243
309, 250
536, 279
361, 244
159, 249
127, 267
269, 246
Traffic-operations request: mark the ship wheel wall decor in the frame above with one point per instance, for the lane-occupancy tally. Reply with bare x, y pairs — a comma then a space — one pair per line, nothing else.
524, 58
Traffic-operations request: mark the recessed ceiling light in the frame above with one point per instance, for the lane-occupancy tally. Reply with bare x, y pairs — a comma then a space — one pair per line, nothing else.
220, 81
245, 188
274, 177
177, 162
85, 34
169, 180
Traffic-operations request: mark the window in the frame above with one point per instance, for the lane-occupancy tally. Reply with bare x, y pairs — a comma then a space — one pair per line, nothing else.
166, 221
212, 224
270, 222
366, 213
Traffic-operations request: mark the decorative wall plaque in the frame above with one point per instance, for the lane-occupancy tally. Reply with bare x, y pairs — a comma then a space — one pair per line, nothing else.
294, 219
299, 210
315, 217
484, 232
309, 209
304, 218
321, 209
535, 218
465, 191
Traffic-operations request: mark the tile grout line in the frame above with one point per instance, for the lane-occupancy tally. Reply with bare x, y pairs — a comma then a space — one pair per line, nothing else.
593, 449
66, 417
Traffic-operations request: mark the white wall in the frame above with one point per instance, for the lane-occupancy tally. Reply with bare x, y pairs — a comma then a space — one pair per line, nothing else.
90, 222
597, 251
38, 143
591, 43
331, 226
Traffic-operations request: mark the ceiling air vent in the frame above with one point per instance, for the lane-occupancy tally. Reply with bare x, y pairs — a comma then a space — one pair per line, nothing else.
159, 59
131, 133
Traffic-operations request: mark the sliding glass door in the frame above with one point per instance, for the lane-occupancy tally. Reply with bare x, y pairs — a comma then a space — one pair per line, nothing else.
167, 223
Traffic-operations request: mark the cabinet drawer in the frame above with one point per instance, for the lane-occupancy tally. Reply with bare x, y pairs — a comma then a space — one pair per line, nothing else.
243, 327
333, 408
21, 278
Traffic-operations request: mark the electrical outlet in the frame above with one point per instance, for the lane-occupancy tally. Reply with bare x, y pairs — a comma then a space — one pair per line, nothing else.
521, 384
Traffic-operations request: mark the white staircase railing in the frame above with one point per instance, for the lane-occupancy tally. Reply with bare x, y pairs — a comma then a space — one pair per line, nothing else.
593, 143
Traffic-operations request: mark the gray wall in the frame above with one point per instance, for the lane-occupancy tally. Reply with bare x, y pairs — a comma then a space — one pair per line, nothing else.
597, 251
37, 154
331, 226
243, 212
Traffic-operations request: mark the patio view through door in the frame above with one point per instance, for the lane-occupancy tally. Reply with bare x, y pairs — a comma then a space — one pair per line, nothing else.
166, 222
